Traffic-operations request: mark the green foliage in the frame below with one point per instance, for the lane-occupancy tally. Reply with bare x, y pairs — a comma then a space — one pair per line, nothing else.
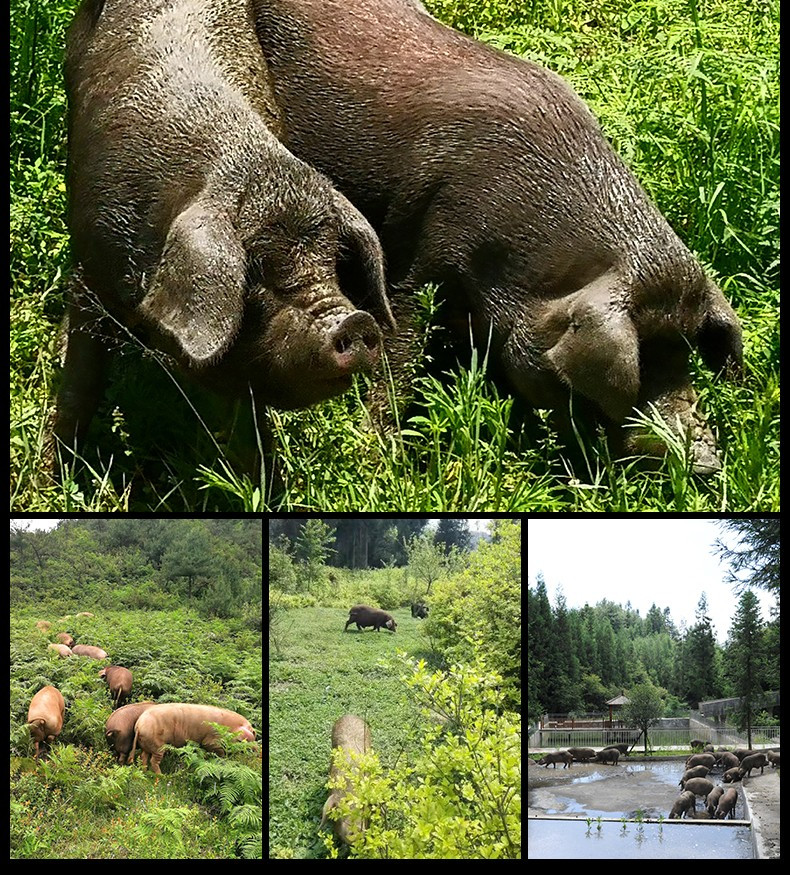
479, 610
459, 796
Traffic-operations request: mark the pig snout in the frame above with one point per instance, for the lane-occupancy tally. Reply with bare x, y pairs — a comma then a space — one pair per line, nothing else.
245, 734
354, 343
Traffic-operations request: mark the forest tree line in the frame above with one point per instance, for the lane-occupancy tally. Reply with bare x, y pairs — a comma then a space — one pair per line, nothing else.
372, 543
578, 658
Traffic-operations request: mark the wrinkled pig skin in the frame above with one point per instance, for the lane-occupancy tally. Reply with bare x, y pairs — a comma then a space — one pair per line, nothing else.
350, 733
119, 680
193, 227
45, 716
119, 730
178, 723
487, 174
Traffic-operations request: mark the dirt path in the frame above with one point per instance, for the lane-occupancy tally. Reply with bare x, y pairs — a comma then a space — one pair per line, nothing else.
762, 793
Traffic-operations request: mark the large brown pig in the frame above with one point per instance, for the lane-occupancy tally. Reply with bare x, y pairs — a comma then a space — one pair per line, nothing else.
87, 650
177, 724
119, 680
65, 638
120, 728
350, 733
364, 615
61, 649
45, 715
486, 174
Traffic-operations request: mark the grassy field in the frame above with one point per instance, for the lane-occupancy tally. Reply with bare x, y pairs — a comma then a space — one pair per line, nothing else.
322, 675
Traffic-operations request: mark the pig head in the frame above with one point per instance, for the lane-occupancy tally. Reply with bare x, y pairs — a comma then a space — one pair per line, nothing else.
192, 227
486, 174
119, 729
177, 724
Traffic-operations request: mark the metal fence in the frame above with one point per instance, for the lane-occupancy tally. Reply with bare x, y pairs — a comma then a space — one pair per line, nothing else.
725, 736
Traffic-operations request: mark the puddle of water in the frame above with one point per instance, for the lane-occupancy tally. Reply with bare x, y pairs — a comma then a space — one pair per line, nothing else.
557, 839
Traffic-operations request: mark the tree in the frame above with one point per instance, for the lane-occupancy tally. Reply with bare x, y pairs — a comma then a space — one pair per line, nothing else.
645, 706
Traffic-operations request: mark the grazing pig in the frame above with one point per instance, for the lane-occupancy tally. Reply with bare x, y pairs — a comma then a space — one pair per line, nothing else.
193, 227
119, 730
43, 625
683, 803
364, 615
486, 174
726, 804
741, 753
419, 610
623, 748
61, 649
731, 776
45, 716
712, 799
701, 759
87, 650
773, 759
177, 724
608, 755
755, 761
65, 638
696, 772
350, 734
119, 681
699, 786
581, 754
728, 760
551, 759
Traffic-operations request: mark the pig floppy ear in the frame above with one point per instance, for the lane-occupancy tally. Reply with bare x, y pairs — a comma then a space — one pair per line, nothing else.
359, 240
592, 346
196, 295
719, 336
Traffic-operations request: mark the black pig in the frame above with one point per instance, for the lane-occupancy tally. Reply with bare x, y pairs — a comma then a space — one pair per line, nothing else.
487, 174
193, 226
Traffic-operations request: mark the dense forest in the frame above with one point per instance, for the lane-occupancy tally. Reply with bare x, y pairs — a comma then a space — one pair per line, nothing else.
579, 658
213, 565
374, 542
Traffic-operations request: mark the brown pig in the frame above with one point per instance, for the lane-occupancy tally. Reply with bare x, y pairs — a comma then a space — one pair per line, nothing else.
756, 761
551, 759
87, 650
61, 649
45, 715
727, 804
683, 803
119, 681
177, 723
65, 638
120, 728
350, 733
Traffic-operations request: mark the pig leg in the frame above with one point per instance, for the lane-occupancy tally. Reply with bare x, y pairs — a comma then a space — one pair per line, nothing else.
84, 371
156, 758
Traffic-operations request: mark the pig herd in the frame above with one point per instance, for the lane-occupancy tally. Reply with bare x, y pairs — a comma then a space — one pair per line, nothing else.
146, 725
250, 183
720, 801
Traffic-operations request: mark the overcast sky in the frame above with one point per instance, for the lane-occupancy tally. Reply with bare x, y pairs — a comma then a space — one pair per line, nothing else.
669, 562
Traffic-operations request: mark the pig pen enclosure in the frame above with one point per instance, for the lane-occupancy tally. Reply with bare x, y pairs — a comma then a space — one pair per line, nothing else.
602, 811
